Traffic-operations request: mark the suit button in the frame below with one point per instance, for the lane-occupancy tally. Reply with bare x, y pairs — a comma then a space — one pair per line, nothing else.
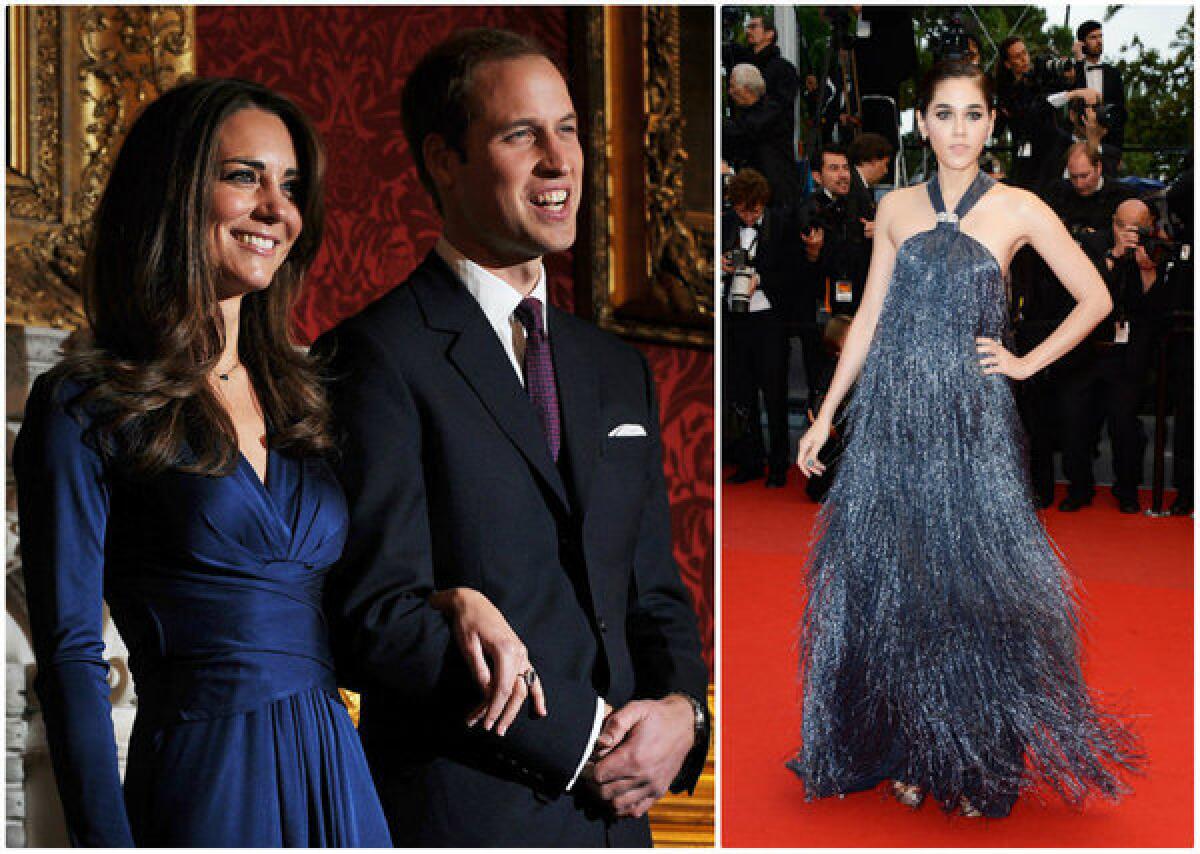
603, 625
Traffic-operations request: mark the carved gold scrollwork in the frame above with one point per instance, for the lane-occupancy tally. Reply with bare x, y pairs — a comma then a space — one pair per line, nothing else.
680, 266
651, 254
90, 68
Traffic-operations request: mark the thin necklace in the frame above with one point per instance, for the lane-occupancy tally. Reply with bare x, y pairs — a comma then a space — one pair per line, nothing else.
225, 376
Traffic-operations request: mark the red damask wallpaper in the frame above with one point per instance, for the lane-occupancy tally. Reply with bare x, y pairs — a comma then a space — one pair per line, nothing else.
345, 66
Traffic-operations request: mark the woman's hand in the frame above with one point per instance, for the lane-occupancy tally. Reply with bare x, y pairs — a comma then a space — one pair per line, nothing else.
994, 359
498, 659
810, 446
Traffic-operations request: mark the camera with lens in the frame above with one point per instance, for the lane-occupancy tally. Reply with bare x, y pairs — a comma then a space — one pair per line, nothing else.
740, 280
1160, 249
1080, 232
951, 43
1047, 70
1105, 113
829, 217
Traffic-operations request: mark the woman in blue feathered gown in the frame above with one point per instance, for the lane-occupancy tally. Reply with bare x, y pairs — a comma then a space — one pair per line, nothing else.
939, 644
174, 468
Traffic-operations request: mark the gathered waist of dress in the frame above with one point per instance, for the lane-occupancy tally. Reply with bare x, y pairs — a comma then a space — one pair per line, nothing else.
202, 650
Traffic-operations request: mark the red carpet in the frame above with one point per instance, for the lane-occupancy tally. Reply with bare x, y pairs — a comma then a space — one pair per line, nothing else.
1137, 577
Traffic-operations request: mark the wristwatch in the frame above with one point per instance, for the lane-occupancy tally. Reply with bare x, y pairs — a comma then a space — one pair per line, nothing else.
699, 717
693, 764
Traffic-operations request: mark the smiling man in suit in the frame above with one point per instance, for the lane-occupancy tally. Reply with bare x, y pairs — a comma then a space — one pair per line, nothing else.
495, 445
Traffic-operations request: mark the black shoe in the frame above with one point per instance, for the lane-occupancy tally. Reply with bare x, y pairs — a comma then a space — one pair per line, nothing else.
1129, 505
777, 479
1070, 504
744, 476
1041, 502
1181, 507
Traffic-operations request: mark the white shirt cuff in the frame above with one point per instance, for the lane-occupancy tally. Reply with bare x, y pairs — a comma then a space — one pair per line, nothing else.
1058, 99
591, 744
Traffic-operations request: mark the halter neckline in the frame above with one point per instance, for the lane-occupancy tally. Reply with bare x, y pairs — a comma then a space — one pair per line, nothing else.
982, 183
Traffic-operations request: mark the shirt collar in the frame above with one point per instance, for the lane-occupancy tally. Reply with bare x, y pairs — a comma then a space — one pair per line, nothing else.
496, 297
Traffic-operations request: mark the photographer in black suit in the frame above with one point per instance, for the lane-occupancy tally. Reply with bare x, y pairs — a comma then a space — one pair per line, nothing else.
759, 268
834, 255
758, 134
1104, 384
1087, 199
1029, 97
1095, 74
762, 51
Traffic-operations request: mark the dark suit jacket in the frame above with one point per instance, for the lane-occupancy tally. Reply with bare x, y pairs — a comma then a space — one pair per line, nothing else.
1114, 94
777, 258
779, 75
450, 483
759, 136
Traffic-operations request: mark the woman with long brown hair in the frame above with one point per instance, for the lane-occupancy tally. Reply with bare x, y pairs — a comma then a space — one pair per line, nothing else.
173, 467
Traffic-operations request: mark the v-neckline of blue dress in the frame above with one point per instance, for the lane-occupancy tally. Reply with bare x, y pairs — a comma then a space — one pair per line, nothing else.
272, 488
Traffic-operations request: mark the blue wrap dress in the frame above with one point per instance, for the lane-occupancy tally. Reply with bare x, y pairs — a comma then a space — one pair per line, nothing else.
215, 585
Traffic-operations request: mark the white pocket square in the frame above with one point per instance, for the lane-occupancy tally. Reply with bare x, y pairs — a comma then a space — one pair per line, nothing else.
627, 430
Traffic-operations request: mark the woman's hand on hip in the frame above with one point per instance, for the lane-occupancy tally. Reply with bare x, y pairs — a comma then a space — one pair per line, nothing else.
995, 359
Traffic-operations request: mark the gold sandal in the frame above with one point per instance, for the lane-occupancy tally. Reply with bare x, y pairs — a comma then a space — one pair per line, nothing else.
967, 809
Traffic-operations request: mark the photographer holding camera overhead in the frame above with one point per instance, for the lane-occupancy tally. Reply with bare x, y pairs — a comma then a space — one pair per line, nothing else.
759, 267
1105, 383
1030, 91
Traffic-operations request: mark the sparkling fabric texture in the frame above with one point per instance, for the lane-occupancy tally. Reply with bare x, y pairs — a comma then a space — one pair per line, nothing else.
539, 372
939, 639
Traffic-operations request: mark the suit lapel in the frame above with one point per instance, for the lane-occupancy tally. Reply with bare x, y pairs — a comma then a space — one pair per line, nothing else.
480, 358
579, 399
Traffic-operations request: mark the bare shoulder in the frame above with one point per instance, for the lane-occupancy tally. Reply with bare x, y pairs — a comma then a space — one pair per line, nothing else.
898, 207
1021, 204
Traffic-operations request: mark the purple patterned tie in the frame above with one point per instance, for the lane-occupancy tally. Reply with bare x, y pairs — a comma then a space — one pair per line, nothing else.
539, 371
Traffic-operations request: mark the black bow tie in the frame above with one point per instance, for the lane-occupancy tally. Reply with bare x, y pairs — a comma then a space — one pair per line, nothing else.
1092, 67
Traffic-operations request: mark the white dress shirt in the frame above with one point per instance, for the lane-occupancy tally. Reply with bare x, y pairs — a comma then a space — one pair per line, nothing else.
748, 239
499, 300
1095, 76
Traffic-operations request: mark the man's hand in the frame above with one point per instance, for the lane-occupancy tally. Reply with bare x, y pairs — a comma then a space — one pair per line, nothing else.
868, 228
642, 745
1125, 239
813, 240
1094, 131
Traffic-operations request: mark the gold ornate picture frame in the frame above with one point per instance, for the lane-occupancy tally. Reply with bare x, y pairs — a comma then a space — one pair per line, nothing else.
77, 76
647, 236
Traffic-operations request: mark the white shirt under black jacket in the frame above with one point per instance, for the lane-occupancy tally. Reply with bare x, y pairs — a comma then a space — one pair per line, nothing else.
1093, 79
499, 300
748, 240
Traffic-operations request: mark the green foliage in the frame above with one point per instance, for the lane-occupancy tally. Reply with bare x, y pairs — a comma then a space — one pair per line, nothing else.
1159, 93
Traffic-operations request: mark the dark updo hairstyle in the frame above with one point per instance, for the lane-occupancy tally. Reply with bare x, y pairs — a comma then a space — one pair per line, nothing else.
948, 70
149, 287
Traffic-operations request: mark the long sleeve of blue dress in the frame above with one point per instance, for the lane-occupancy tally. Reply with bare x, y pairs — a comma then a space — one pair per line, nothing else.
62, 500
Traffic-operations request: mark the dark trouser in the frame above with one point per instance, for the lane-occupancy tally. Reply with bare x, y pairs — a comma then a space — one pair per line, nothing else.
759, 364
1181, 380
813, 348
1104, 389
1036, 404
